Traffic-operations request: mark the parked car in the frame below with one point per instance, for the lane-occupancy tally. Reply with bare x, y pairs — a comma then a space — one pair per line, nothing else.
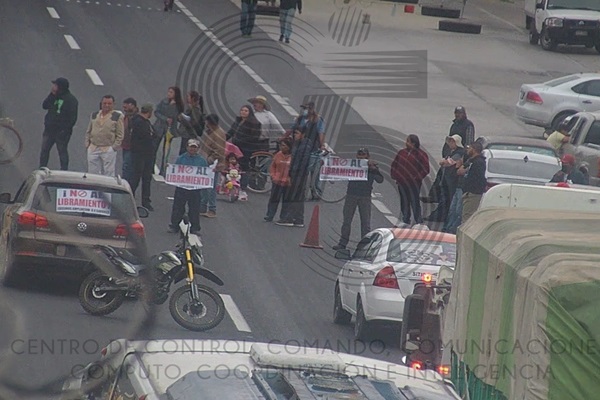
383, 270
228, 369
547, 104
514, 166
56, 216
514, 143
584, 144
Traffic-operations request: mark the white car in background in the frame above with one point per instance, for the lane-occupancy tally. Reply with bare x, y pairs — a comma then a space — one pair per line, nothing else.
383, 270
547, 104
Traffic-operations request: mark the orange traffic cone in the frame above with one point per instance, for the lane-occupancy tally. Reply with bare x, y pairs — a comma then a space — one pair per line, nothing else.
312, 235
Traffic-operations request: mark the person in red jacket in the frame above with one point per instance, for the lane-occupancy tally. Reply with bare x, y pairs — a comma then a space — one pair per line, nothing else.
280, 176
409, 168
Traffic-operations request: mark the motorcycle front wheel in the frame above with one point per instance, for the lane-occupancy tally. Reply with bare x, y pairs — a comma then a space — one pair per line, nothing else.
197, 315
96, 301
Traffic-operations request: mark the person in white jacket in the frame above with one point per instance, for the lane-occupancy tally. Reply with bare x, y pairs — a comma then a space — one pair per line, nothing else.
270, 126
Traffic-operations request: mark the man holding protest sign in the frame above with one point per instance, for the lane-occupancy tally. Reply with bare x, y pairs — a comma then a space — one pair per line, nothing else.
358, 195
190, 183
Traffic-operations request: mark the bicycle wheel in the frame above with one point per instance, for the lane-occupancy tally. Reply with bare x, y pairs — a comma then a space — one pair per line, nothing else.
332, 191
259, 179
11, 144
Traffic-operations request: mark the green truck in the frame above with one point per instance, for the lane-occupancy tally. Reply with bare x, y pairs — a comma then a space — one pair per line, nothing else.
519, 317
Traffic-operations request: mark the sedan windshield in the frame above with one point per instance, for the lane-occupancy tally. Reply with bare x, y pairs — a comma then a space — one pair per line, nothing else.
528, 149
422, 252
521, 169
574, 5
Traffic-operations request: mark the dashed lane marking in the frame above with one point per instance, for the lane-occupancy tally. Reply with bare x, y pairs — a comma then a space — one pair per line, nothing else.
52, 12
235, 314
94, 77
124, 5
72, 42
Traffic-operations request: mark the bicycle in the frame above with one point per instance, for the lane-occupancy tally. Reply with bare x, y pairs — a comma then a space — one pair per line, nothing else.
330, 191
259, 178
11, 144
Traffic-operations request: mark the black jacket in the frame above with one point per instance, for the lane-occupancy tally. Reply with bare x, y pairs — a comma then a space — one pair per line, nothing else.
142, 134
449, 173
364, 188
474, 180
288, 4
194, 128
465, 129
300, 159
245, 135
62, 110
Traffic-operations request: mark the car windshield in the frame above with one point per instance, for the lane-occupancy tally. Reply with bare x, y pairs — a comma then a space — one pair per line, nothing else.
528, 149
422, 252
592, 5
560, 81
521, 169
84, 200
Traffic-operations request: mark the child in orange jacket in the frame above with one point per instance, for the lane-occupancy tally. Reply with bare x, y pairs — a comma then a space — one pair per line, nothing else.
280, 168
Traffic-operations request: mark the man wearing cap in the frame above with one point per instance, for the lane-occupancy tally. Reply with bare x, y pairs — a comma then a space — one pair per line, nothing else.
269, 124
461, 126
190, 197
103, 137
142, 152
58, 123
358, 195
129, 109
569, 173
474, 182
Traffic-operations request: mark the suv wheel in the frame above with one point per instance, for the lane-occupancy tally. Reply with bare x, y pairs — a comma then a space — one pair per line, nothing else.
546, 41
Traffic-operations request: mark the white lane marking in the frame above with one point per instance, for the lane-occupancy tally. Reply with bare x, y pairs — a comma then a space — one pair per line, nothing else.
52, 12
94, 77
158, 177
72, 42
235, 314
393, 220
381, 207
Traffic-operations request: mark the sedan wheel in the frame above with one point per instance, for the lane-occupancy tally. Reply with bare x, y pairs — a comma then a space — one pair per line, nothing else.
361, 326
340, 316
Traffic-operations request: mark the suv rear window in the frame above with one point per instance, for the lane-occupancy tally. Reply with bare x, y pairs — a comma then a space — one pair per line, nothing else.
84, 200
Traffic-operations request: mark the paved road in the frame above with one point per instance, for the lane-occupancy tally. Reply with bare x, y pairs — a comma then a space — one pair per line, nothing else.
283, 292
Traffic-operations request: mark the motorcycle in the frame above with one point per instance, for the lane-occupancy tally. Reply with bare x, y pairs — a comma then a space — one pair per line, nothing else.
119, 274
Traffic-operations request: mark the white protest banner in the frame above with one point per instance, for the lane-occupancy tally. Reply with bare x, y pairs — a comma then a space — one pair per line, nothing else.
343, 169
85, 201
189, 177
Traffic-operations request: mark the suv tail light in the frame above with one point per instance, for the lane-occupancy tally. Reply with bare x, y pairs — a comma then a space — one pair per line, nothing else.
386, 278
29, 218
123, 230
138, 229
533, 97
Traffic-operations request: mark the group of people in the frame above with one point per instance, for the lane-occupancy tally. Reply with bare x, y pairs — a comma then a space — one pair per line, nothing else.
287, 11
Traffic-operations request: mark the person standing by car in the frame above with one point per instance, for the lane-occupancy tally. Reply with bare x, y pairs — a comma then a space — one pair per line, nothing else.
103, 137
192, 121
358, 195
474, 182
408, 169
190, 197
287, 10
245, 134
569, 173
59, 121
212, 148
130, 110
142, 156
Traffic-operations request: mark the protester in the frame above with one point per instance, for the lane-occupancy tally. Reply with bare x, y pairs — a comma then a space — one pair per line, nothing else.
189, 197
142, 153
569, 173
559, 137
474, 183
129, 109
280, 177
358, 195
270, 128
103, 137
461, 126
408, 169
212, 148
287, 10
58, 122
454, 218
247, 17
192, 120
245, 134
294, 200
167, 113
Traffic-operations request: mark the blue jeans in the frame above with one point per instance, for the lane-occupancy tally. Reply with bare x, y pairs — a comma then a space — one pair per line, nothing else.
127, 172
208, 200
454, 213
314, 170
247, 18
285, 21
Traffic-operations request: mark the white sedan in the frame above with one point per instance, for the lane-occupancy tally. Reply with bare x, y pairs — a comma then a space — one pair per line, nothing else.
547, 104
383, 270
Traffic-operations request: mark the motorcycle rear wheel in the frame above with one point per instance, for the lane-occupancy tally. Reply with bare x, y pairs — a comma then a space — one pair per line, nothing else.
88, 294
190, 316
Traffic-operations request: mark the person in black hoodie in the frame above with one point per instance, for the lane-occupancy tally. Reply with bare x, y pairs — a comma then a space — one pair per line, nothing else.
58, 123
298, 176
358, 195
142, 152
474, 182
245, 134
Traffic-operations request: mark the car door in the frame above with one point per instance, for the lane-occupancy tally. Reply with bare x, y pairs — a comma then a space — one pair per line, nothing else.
588, 150
589, 95
352, 277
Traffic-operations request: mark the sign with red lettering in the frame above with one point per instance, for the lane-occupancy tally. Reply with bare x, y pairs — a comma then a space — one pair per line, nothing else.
341, 169
83, 201
189, 177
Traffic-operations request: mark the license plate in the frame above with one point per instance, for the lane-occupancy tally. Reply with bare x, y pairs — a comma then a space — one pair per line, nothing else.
581, 33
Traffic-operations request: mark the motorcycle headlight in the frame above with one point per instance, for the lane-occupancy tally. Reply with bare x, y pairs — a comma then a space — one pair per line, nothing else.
554, 22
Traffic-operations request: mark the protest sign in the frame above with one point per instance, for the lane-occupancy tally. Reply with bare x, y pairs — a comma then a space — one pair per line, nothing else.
342, 169
85, 201
189, 177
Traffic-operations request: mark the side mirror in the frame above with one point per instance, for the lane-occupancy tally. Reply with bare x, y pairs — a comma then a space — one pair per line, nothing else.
143, 212
5, 198
343, 254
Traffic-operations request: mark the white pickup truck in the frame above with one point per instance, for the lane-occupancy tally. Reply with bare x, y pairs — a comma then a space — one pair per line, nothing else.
571, 22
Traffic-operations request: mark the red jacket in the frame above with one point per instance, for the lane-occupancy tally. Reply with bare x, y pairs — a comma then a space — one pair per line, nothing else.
410, 166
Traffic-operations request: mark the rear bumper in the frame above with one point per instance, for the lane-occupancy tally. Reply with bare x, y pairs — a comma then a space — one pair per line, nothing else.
533, 114
383, 304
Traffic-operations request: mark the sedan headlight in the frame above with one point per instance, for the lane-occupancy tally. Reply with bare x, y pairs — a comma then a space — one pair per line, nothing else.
554, 22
